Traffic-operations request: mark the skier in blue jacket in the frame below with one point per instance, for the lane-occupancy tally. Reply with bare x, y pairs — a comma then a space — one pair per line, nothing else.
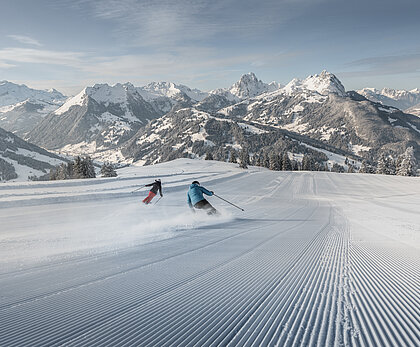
196, 199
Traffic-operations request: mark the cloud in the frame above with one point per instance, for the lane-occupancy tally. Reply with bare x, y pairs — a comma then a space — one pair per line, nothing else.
385, 65
28, 55
25, 40
173, 23
4, 65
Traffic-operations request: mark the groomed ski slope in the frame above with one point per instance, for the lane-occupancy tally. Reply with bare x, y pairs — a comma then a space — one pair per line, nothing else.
316, 259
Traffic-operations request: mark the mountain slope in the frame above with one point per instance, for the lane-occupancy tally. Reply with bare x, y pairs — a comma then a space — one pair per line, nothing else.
97, 119
11, 94
319, 108
20, 159
414, 110
401, 99
22, 108
191, 133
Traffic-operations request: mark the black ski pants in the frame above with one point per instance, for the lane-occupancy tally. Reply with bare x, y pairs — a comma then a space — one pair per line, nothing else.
205, 205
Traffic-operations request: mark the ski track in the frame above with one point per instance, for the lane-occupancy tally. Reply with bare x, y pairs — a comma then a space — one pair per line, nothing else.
292, 272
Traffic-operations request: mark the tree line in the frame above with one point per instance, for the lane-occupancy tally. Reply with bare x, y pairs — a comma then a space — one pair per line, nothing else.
81, 167
404, 165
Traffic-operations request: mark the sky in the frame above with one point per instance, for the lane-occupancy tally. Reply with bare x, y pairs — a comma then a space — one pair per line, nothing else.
208, 44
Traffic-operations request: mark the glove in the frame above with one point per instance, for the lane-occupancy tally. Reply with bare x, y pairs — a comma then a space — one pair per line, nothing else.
212, 192
161, 195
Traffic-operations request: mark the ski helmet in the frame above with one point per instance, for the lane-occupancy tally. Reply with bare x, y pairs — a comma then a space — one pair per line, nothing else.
196, 182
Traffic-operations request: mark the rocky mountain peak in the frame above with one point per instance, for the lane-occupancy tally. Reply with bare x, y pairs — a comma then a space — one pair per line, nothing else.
250, 86
325, 83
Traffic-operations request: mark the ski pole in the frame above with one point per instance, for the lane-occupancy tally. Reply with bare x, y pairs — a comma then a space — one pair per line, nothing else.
135, 190
158, 200
217, 196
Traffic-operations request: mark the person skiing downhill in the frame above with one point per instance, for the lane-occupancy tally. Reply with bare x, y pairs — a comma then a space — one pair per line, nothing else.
156, 185
196, 199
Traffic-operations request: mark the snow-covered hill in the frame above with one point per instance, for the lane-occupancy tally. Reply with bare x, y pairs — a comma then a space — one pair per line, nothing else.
316, 259
20, 160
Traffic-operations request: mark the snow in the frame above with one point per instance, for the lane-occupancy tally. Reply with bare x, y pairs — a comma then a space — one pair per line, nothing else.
156, 90
316, 259
325, 83
22, 171
11, 94
356, 149
77, 100
388, 110
334, 158
392, 120
39, 156
414, 127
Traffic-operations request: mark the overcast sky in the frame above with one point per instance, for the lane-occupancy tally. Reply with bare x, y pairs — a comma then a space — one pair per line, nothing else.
207, 44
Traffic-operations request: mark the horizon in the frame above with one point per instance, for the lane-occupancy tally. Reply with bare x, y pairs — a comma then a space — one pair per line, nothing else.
68, 45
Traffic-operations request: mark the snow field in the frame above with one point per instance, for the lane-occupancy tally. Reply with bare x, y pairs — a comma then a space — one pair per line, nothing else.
316, 259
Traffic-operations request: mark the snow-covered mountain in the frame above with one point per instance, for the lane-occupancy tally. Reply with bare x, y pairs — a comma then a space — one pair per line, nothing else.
24, 116
170, 90
316, 109
22, 108
11, 94
192, 133
20, 159
319, 108
414, 110
96, 120
401, 99
111, 122
165, 95
247, 87
325, 83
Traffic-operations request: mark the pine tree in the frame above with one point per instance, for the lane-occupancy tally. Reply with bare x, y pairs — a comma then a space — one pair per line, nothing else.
365, 167
108, 170
286, 163
382, 165
244, 159
307, 163
77, 168
266, 160
88, 169
390, 164
275, 162
233, 158
255, 159
408, 164
209, 156
337, 168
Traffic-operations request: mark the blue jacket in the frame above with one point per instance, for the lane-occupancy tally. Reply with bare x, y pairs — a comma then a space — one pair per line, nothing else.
195, 194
